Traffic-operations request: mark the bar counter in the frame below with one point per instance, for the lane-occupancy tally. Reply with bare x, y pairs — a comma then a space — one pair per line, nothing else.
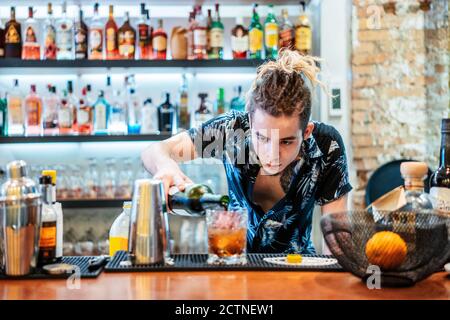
223, 285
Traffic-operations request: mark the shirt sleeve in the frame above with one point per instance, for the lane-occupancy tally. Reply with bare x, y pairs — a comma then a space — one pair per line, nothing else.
334, 181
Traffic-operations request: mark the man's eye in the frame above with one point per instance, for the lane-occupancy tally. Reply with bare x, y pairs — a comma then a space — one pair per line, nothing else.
286, 143
263, 139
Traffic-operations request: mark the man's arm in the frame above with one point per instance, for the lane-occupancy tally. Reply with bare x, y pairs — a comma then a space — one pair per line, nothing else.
338, 205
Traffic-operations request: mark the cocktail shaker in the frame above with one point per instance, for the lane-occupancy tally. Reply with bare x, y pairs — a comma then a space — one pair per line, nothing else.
20, 220
149, 230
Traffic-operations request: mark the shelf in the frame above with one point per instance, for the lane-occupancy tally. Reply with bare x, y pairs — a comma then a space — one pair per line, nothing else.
97, 203
18, 63
74, 139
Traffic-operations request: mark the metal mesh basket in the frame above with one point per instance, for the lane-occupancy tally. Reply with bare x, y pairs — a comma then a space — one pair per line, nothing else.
426, 235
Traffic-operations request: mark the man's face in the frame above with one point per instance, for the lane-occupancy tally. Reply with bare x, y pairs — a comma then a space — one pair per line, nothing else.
276, 140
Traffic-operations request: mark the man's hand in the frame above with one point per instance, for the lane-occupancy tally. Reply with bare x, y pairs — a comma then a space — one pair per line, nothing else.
171, 175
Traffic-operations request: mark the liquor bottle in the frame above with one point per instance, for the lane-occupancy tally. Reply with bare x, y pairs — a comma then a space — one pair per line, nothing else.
31, 49
190, 36
303, 32
16, 114
159, 42
271, 35
238, 102
49, 36
183, 107
73, 102
216, 37
145, 33
65, 115
199, 34
255, 36
50, 112
13, 38
209, 22
204, 112
108, 93
2, 40
84, 114
111, 37
414, 174
239, 40
166, 115
220, 102
64, 36
95, 38
118, 234
195, 200
127, 39
33, 112
440, 180
118, 115
101, 114
81, 37
3, 116
149, 118
134, 112
287, 32
48, 230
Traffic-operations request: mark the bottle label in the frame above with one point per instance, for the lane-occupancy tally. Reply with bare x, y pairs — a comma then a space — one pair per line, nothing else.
111, 43
48, 237
200, 38
82, 116
287, 38
65, 118
159, 43
126, 44
65, 38
30, 35
50, 43
303, 38
33, 113
239, 44
271, 34
15, 111
12, 36
216, 38
441, 198
255, 37
148, 123
143, 34
95, 38
80, 43
100, 116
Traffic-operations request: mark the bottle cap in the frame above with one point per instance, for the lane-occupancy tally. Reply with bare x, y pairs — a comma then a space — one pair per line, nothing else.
44, 179
414, 173
51, 173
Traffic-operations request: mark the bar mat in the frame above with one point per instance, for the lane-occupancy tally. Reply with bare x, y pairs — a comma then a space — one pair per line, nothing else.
197, 262
81, 261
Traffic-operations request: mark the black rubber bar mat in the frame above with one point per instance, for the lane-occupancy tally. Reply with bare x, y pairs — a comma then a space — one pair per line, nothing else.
197, 262
81, 261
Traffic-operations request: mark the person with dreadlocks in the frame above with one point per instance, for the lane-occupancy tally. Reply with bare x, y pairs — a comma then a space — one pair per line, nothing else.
279, 164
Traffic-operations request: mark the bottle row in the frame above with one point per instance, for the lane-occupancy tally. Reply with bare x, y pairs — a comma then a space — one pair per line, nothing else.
203, 38
110, 112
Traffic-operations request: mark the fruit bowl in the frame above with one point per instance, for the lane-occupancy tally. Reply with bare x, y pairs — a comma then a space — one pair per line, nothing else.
399, 247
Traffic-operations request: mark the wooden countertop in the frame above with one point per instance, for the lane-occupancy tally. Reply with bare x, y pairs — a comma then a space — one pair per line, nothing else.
223, 285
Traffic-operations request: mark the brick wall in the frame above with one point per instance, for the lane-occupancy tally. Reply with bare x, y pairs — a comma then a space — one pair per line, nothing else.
400, 84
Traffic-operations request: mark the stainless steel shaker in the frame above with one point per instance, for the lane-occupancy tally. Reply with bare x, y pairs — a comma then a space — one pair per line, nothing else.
20, 220
148, 236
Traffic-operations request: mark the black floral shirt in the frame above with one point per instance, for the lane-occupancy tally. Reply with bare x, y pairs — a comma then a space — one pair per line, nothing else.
320, 176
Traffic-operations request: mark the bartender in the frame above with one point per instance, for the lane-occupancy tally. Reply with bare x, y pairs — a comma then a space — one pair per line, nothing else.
278, 162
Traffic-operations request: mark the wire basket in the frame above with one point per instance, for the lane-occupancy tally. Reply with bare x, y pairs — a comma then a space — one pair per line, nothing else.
403, 247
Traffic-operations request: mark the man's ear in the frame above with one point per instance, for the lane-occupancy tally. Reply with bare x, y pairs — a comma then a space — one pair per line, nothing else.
308, 130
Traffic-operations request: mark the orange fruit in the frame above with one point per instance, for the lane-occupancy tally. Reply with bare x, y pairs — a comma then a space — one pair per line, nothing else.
386, 249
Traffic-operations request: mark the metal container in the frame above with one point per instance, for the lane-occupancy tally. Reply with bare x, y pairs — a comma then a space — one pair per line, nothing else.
148, 236
20, 220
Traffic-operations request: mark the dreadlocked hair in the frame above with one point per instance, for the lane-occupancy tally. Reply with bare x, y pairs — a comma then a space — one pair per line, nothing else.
280, 87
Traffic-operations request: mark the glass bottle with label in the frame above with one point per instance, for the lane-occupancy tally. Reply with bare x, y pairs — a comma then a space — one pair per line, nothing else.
101, 114
118, 115
220, 106
2, 40
238, 102
145, 33
73, 102
287, 33
134, 112
95, 38
303, 32
31, 49
3, 116
209, 22
200, 35
81, 37
48, 230
183, 107
84, 114
216, 37
111, 38
166, 115
204, 111
255, 36
16, 113
440, 180
190, 36
239, 40
65, 115
33, 112
50, 112
118, 234
49, 36
13, 37
271, 35
64, 36
149, 118
127, 39
159, 39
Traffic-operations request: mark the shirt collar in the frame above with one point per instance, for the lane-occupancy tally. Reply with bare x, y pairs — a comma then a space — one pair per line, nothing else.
310, 148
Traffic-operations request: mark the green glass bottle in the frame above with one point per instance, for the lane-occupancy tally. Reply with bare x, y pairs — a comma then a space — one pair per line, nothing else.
220, 102
271, 35
195, 200
255, 36
216, 37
